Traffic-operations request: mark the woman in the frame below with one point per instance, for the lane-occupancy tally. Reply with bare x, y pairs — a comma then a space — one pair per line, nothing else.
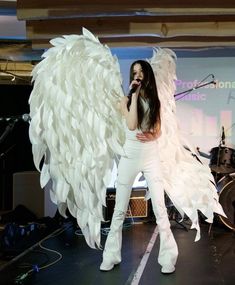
141, 111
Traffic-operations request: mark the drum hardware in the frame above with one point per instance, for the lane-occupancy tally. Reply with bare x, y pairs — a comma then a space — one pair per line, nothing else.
197, 86
173, 214
222, 158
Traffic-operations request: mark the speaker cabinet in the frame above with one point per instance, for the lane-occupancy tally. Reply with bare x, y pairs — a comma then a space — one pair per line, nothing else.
138, 206
28, 192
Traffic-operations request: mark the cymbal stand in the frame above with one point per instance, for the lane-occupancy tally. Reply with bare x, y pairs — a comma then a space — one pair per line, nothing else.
173, 214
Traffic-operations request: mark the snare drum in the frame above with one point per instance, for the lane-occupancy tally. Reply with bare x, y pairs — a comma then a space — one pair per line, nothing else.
226, 191
222, 159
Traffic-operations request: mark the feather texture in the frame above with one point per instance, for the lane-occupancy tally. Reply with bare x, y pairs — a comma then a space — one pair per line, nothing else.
188, 183
76, 129
77, 132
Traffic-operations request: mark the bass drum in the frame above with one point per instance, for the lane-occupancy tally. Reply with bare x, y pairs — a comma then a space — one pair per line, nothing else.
226, 191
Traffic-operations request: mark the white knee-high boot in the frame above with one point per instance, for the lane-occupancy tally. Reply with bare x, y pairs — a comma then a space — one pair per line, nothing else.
168, 251
113, 245
127, 172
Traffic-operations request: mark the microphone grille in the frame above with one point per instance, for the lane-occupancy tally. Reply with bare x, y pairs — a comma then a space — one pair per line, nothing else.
26, 117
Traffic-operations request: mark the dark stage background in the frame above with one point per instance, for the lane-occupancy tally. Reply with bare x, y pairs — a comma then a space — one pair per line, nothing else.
15, 147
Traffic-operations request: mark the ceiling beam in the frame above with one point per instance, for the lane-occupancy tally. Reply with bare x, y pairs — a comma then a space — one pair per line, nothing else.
51, 9
117, 32
125, 3
124, 22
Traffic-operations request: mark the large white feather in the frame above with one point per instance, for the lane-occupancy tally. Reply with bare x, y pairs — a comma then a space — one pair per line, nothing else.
77, 132
187, 182
76, 129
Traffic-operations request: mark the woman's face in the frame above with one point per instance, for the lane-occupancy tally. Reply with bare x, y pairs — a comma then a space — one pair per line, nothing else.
138, 72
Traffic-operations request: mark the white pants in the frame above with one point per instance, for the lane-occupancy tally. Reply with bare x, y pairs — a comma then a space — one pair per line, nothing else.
140, 157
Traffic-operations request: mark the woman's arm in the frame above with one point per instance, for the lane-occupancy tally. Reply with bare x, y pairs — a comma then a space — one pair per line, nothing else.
131, 115
148, 136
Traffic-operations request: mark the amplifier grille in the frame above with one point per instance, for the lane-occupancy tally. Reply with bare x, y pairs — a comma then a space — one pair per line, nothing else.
138, 206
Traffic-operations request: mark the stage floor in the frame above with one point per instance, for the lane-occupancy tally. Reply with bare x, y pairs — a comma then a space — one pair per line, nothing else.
208, 261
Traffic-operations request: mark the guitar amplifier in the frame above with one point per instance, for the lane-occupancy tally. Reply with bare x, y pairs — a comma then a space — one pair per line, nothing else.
138, 206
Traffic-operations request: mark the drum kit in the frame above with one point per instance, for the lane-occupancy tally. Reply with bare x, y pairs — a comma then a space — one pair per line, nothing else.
222, 164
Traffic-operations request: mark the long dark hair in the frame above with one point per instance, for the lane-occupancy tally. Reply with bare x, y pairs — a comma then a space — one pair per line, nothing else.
149, 91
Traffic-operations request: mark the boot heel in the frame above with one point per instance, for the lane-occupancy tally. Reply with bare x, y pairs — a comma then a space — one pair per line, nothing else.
108, 265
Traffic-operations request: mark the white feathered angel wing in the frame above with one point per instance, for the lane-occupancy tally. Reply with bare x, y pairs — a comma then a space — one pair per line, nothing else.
76, 129
187, 182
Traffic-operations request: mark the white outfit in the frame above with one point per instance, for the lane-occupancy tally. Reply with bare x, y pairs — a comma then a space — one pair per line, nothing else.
74, 153
140, 157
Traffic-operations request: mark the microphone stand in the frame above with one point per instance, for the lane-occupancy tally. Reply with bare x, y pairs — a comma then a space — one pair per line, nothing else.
194, 88
220, 147
8, 129
6, 132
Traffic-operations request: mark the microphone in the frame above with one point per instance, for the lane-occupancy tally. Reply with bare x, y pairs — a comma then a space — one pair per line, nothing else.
213, 79
24, 117
223, 136
134, 87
